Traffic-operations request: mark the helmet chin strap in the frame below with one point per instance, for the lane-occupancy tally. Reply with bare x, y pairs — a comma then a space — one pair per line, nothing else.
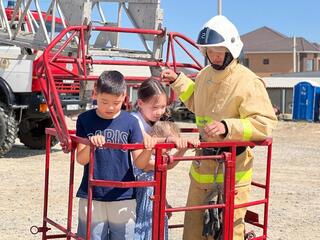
227, 60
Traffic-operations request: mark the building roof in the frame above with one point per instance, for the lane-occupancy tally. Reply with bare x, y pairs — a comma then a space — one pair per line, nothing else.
310, 74
265, 39
289, 82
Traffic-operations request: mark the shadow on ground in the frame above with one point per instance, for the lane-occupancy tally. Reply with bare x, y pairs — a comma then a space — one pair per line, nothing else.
21, 151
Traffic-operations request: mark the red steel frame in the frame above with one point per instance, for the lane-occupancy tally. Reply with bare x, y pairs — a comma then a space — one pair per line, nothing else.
159, 183
52, 58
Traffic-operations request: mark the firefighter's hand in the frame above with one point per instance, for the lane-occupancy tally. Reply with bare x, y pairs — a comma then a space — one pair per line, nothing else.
149, 142
97, 140
214, 129
169, 75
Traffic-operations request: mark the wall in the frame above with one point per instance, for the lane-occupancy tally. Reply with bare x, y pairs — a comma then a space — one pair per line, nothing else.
277, 95
280, 63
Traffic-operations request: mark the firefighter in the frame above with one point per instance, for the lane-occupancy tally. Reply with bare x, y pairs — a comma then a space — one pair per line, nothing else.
230, 103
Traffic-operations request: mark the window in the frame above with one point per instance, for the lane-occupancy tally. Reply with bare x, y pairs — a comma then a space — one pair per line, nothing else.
309, 65
58, 27
265, 61
246, 62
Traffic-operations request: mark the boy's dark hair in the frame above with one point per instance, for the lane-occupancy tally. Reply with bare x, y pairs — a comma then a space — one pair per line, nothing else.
111, 82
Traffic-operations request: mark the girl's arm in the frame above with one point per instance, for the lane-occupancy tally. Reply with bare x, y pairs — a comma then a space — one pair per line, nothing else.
180, 152
180, 143
141, 158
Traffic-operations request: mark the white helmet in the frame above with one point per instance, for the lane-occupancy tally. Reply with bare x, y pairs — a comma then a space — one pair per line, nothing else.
220, 32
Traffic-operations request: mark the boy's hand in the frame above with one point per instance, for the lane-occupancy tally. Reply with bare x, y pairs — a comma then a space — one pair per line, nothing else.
169, 75
97, 140
149, 142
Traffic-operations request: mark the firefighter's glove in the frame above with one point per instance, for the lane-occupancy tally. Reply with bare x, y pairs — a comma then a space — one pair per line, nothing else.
212, 221
212, 225
207, 223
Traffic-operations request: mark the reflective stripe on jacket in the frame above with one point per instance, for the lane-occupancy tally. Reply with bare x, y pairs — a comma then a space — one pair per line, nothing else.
241, 177
236, 96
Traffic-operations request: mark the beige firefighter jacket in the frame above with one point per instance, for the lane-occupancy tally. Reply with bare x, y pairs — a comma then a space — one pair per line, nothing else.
239, 98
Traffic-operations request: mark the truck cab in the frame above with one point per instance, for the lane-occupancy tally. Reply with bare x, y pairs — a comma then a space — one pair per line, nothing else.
23, 109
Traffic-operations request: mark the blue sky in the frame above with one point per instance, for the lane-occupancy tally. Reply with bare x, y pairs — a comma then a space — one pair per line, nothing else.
291, 18
299, 18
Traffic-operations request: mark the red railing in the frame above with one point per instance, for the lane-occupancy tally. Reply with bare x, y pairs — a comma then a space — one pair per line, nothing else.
52, 59
160, 185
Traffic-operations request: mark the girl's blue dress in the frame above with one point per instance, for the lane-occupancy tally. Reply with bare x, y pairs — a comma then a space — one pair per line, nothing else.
143, 228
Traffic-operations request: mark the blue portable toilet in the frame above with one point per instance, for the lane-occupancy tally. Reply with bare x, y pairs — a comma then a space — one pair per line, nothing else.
306, 97
11, 3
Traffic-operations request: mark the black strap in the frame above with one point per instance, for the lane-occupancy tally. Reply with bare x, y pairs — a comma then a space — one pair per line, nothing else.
217, 151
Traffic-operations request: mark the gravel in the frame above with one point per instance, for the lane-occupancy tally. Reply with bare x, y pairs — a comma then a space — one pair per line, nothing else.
294, 211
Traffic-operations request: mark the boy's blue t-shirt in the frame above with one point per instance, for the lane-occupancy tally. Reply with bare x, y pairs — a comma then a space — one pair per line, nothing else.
109, 164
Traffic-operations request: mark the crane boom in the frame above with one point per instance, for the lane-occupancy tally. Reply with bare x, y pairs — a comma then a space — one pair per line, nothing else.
31, 24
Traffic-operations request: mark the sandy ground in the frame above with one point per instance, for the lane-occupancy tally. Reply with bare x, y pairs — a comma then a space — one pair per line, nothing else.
295, 187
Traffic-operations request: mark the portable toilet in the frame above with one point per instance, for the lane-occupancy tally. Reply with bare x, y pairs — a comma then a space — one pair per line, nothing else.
306, 97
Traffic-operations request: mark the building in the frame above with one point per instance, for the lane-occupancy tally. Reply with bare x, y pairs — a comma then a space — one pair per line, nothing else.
280, 88
267, 52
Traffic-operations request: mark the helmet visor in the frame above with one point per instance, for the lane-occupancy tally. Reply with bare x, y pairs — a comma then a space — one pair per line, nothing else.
208, 36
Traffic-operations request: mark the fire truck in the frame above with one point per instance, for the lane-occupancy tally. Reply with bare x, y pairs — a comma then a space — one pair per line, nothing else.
23, 108
26, 29
47, 73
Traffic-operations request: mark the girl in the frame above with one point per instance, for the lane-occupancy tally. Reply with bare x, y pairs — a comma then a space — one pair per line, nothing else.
151, 106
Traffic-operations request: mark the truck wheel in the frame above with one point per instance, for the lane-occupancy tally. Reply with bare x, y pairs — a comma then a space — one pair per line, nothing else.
32, 133
8, 130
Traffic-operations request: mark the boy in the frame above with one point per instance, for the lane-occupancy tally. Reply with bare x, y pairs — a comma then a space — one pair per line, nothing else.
113, 213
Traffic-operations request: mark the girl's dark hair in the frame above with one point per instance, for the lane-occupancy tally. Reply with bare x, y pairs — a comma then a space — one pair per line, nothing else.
111, 82
148, 89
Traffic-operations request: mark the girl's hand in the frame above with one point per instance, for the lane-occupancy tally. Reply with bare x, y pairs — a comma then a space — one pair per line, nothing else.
195, 142
179, 142
149, 142
97, 140
169, 75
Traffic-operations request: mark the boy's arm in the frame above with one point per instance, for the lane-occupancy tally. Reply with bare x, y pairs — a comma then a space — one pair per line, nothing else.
83, 154
83, 151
